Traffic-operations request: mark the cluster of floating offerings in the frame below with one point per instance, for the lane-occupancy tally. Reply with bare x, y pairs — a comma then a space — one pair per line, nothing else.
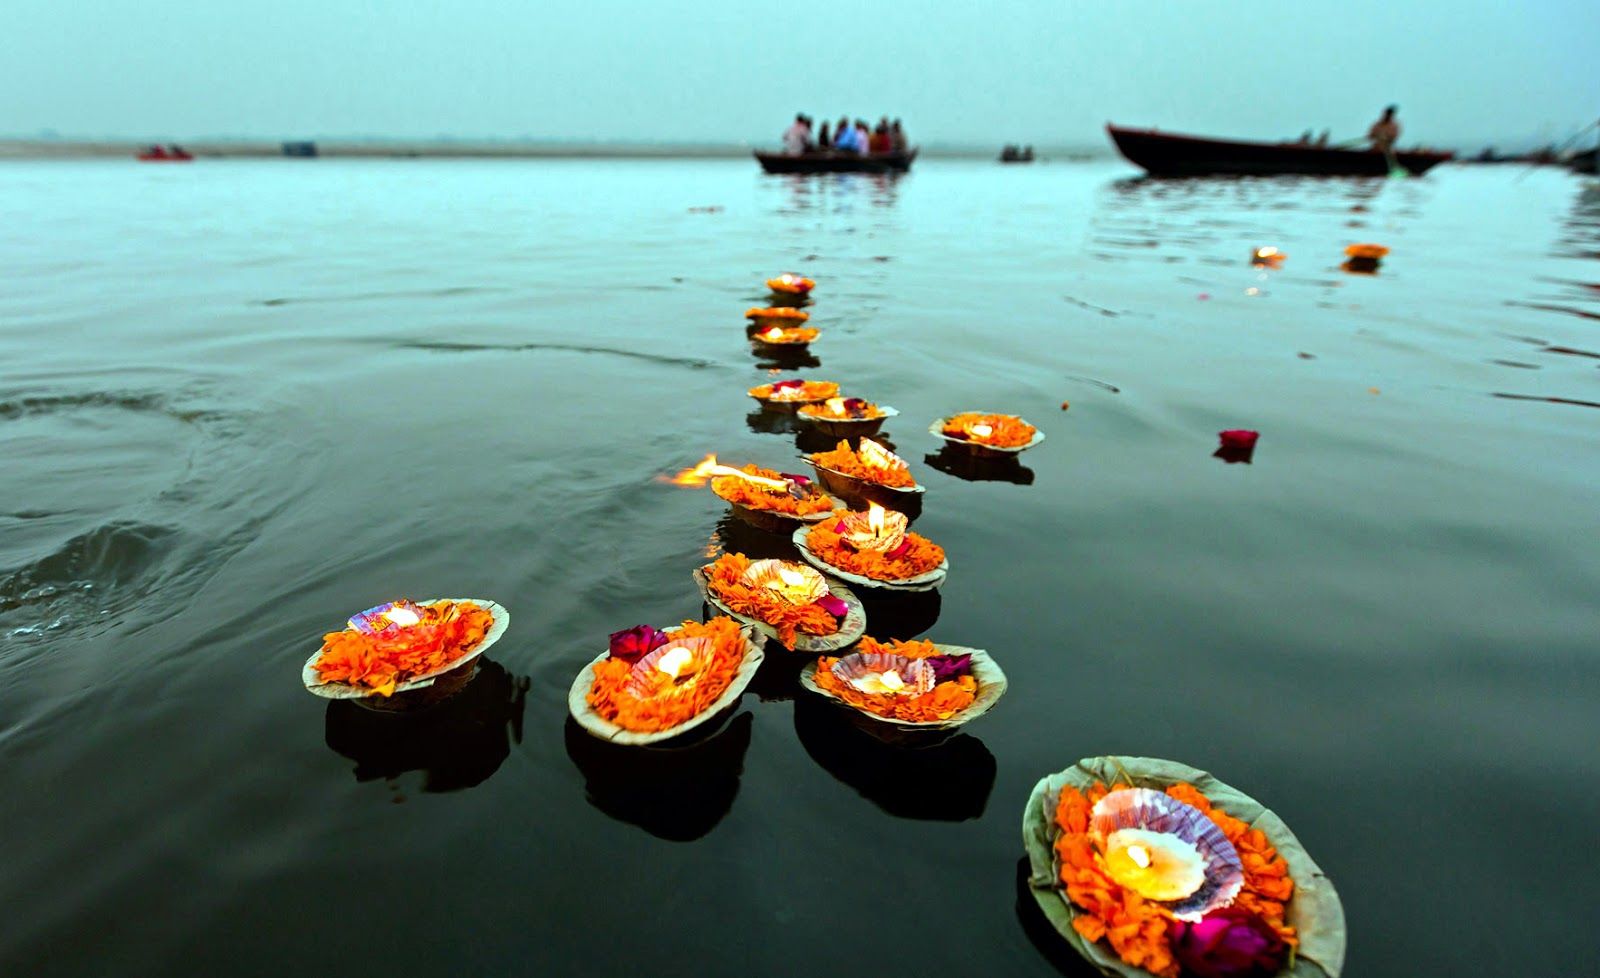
1149, 867
1362, 259
849, 524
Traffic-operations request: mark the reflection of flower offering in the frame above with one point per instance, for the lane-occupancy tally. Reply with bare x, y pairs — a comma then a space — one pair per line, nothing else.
791, 284
1143, 866
843, 409
393, 643
786, 336
998, 430
791, 597
854, 543
910, 681
795, 391
674, 681
871, 463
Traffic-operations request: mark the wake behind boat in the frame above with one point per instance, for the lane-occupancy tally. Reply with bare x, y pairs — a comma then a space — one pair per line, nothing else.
1171, 155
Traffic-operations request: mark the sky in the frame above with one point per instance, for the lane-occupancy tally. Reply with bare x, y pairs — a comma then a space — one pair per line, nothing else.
1048, 72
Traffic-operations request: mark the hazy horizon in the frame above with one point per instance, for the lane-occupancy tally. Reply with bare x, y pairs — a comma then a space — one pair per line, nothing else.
603, 72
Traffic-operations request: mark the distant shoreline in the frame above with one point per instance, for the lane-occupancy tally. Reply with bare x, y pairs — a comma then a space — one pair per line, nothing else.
73, 149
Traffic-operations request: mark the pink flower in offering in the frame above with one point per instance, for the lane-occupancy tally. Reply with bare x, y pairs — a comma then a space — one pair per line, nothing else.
834, 606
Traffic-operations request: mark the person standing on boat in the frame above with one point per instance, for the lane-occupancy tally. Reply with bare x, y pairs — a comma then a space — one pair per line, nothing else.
824, 140
897, 137
1385, 132
881, 141
863, 137
797, 138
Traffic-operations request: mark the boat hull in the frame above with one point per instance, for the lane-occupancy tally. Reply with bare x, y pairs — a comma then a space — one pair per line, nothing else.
1169, 155
830, 162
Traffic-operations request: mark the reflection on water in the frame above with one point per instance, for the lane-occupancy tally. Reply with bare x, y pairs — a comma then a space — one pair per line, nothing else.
734, 535
678, 793
459, 743
773, 423
948, 780
899, 614
972, 468
777, 358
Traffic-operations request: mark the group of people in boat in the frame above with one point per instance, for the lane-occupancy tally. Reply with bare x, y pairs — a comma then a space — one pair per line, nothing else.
846, 137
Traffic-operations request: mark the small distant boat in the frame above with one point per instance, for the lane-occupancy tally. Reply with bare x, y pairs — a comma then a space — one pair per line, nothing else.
1172, 155
1012, 154
827, 161
165, 154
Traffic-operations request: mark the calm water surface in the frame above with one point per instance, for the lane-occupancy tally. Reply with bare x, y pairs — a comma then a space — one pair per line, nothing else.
241, 400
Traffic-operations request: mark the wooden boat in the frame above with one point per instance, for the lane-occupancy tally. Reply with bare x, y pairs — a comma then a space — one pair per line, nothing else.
164, 154
827, 161
1171, 155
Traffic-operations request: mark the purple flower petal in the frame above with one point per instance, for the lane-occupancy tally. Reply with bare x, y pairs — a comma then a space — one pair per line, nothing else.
785, 385
947, 667
633, 644
1228, 943
804, 480
834, 606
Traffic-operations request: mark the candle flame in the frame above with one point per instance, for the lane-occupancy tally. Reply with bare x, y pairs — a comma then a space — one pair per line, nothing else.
835, 405
402, 616
982, 430
1140, 855
875, 518
674, 661
708, 468
774, 333
790, 577
891, 681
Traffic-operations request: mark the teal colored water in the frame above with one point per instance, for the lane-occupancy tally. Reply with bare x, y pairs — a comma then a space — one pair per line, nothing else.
241, 400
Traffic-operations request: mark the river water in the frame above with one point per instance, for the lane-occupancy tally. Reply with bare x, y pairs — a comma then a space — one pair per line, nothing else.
241, 400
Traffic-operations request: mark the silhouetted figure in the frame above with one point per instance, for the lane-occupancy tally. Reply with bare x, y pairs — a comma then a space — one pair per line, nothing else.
797, 137
824, 138
1386, 131
897, 137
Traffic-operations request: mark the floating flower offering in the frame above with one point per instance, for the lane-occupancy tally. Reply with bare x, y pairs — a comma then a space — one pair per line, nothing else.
987, 434
874, 548
786, 600
1268, 257
1151, 867
787, 395
765, 497
846, 416
913, 683
400, 646
785, 336
870, 463
652, 684
791, 284
776, 316
1363, 259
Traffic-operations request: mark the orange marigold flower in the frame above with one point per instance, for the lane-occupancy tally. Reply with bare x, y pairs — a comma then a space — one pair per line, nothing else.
849, 461
447, 631
725, 577
1000, 430
609, 697
753, 495
939, 703
921, 555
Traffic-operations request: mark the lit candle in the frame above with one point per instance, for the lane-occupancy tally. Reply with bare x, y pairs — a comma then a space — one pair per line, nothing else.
891, 681
981, 430
774, 333
1155, 865
675, 660
402, 616
835, 405
876, 456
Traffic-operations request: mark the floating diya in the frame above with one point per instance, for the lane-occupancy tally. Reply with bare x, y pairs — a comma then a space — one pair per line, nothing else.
1147, 866
764, 498
790, 285
775, 316
869, 472
913, 684
987, 435
846, 417
1363, 259
1267, 257
788, 602
654, 684
784, 336
873, 549
787, 396
401, 655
